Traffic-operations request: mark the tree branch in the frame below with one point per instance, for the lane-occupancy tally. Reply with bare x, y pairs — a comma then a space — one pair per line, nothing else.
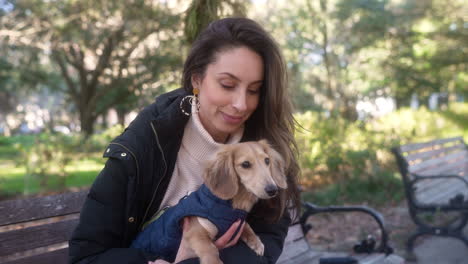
112, 42
122, 65
63, 69
78, 62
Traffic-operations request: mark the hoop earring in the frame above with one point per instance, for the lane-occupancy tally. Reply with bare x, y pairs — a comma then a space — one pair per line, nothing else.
192, 99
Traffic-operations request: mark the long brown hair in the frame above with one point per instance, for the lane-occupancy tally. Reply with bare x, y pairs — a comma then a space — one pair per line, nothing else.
273, 119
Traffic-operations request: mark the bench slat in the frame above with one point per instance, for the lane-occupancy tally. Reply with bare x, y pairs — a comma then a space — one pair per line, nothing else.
441, 191
374, 258
307, 257
444, 198
381, 259
424, 155
294, 244
429, 184
441, 198
294, 249
23, 210
294, 233
440, 183
454, 167
34, 237
453, 158
57, 256
416, 146
313, 257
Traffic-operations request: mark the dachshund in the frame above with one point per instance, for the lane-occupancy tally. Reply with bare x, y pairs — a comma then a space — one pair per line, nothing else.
242, 173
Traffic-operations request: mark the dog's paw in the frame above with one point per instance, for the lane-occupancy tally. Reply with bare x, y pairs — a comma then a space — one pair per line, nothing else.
259, 249
256, 245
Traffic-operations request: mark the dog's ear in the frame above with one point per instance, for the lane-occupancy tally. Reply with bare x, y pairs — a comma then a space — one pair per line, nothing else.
220, 175
277, 165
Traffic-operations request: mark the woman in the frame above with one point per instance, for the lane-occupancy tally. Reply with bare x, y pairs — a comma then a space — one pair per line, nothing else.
234, 89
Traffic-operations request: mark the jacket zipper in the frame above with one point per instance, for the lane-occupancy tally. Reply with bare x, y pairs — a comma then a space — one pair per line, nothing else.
164, 174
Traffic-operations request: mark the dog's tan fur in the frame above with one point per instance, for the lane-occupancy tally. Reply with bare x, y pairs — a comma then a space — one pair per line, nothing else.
228, 177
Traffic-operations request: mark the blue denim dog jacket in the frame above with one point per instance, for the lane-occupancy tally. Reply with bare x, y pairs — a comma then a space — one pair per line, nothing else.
162, 237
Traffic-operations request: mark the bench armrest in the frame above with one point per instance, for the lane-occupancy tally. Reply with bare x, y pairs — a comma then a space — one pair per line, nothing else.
312, 209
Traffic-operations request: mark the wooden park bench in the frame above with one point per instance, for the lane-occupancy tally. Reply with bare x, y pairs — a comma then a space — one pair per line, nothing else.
435, 177
36, 230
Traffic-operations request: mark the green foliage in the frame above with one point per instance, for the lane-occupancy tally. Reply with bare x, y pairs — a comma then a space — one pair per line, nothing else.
424, 51
9, 145
98, 142
106, 53
333, 149
341, 50
202, 12
407, 125
46, 159
332, 48
368, 21
51, 161
376, 191
355, 158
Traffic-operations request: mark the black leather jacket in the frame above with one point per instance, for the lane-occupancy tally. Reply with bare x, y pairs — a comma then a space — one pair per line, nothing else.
130, 188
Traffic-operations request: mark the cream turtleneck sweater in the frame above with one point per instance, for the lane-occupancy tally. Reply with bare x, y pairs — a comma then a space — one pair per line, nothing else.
197, 147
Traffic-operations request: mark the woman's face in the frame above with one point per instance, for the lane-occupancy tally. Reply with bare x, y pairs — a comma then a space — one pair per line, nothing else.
229, 91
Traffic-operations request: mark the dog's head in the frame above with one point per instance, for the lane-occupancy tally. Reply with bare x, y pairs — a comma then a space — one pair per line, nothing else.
255, 165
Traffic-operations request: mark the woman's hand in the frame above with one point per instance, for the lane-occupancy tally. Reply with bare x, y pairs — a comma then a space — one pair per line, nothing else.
185, 252
223, 241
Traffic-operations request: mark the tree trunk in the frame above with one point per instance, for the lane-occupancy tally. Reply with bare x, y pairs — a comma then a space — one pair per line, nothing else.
87, 123
104, 122
402, 101
6, 127
121, 113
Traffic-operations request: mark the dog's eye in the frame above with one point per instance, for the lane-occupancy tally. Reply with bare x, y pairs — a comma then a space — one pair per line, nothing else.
246, 165
267, 161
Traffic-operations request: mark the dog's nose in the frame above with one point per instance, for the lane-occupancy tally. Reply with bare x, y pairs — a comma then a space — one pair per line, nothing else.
271, 190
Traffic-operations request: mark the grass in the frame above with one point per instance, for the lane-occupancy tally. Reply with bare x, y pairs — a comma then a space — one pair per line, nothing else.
14, 181
80, 173
83, 172
8, 152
